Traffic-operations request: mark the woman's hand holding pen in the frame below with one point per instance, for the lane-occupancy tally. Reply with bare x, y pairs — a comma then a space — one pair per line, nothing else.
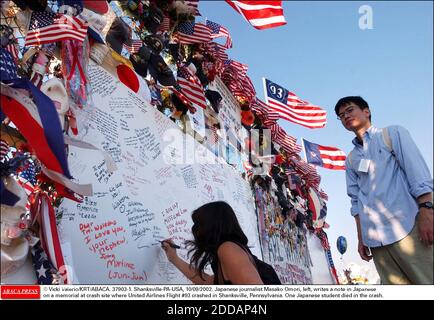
170, 249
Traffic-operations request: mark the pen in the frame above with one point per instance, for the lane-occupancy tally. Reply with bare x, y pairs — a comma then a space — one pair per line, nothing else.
172, 244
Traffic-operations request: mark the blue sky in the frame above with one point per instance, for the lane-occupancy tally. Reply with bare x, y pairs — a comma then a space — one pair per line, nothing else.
323, 55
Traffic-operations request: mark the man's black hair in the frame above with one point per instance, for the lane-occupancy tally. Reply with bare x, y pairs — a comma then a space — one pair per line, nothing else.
357, 100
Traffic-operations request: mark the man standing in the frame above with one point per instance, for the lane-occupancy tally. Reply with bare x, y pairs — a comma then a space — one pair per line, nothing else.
390, 187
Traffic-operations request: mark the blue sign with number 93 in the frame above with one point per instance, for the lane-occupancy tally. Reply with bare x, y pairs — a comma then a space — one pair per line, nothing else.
276, 92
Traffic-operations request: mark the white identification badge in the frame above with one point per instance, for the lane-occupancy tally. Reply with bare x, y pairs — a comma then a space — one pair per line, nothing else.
364, 165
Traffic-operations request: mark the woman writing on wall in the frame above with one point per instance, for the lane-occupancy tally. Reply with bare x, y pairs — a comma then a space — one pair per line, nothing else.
220, 242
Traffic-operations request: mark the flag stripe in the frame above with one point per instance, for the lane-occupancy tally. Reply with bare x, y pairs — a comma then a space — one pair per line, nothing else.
299, 120
333, 167
260, 14
267, 21
336, 158
314, 117
329, 150
289, 117
246, 5
339, 163
301, 110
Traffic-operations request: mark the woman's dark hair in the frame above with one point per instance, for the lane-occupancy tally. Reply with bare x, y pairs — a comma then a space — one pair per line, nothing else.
213, 224
357, 100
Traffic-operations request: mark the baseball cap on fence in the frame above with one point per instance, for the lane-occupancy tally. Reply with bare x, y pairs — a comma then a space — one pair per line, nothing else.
140, 60
160, 71
118, 35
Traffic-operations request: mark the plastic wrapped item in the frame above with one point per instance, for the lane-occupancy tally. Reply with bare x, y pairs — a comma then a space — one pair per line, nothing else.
75, 57
13, 256
119, 34
14, 248
98, 52
39, 68
55, 89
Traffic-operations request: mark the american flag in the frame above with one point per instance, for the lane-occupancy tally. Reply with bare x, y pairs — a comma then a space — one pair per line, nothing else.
307, 171
238, 66
48, 27
323, 194
190, 33
217, 50
293, 179
287, 142
193, 4
218, 30
235, 78
165, 25
44, 212
324, 240
240, 86
248, 87
323, 156
12, 48
191, 87
8, 68
135, 46
27, 179
46, 274
292, 108
214, 136
261, 14
261, 109
4, 149
248, 168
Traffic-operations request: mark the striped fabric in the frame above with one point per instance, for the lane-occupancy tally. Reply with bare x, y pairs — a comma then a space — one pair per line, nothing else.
261, 14
292, 108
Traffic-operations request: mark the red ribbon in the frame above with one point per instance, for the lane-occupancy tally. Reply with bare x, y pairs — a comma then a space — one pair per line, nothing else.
76, 63
43, 212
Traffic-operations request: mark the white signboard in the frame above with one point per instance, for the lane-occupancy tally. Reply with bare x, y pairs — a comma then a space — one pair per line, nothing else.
197, 121
320, 268
229, 113
113, 237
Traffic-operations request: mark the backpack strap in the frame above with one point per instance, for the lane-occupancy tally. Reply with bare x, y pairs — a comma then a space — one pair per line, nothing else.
387, 140
388, 143
350, 158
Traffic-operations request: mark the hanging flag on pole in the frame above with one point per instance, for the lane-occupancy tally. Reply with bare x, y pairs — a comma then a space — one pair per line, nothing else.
292, 108
259, 13
190, 33
326, 157
218, 30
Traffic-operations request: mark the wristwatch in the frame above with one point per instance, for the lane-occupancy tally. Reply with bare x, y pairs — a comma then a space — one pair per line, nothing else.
427, 204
